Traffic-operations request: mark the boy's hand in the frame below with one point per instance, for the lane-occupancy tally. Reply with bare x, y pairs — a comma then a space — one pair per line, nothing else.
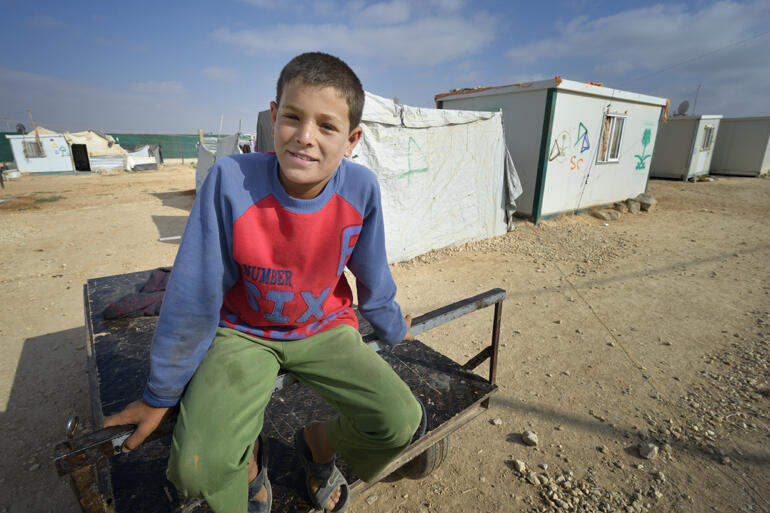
146, 418
408, 337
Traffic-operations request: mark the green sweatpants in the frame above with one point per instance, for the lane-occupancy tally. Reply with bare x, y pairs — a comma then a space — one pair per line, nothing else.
222, 411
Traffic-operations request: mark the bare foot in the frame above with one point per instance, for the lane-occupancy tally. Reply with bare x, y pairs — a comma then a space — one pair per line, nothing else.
323, 452
253, 472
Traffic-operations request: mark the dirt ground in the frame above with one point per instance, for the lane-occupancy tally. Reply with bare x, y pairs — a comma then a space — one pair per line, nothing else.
654, 328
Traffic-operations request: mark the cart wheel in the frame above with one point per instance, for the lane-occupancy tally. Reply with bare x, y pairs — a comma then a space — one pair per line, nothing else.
426, 462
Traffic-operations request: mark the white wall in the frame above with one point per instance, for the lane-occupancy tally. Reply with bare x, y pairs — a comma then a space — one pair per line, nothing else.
523, 123
743, 147
57, 154
574, 178
700, 161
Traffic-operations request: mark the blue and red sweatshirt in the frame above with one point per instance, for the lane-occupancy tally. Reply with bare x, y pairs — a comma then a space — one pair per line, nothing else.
259, 261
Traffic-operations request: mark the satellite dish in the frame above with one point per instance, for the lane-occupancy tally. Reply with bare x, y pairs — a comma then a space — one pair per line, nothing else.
21, 129
682, 109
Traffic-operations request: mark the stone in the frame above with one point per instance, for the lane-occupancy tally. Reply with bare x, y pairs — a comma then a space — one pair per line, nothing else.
371, 499
533, 479
620, 207
34, 467
529, 438
497, 422
634, 206
648, 451
606, 214
519, 466
646, 202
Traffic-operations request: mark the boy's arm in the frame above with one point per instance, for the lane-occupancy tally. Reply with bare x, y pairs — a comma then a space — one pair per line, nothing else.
374, 283
203, 271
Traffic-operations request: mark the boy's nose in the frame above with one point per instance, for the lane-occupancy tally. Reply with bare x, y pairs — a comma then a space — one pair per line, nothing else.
305, 133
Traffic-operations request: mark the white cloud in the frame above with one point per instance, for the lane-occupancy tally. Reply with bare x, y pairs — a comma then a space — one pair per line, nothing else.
61, 104
444, 6
664, 50
220, 73
427, 41
44, 21
158, 88
384, 13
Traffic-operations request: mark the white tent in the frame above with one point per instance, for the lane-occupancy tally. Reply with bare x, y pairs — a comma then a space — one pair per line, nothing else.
211, 150
446, 176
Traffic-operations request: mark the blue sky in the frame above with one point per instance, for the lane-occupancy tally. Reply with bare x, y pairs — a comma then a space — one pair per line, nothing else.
175, 67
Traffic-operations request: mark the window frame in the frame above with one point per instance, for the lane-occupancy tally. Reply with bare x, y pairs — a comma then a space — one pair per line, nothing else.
33, 149
707, 130
604, 155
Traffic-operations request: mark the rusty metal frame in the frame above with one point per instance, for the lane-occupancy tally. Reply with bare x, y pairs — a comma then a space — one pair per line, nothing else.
83, 458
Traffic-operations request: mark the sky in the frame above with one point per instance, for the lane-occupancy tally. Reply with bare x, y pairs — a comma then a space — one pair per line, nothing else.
176, 67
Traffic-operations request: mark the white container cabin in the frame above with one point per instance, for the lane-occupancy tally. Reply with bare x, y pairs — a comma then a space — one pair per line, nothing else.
575, 145
742, 147
45, 153
684, 147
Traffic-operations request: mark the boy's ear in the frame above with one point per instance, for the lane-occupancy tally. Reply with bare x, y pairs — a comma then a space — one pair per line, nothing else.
273, 112
353, 138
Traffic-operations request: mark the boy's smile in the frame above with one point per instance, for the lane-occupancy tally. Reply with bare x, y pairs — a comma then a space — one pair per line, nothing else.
312, 133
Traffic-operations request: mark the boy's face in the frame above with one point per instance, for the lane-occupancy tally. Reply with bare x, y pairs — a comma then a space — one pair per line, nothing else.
312, 133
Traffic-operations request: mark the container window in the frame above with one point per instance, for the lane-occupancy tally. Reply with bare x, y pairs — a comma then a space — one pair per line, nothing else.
33, 150
708, 136
612, 135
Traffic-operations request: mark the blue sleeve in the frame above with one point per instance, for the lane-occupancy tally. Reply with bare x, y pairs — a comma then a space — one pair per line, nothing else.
374, 283
204, 270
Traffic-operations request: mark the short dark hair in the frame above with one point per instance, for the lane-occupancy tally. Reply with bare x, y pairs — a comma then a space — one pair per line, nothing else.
323, 70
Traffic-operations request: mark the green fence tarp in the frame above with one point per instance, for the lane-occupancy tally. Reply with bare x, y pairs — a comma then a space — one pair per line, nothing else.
6, 155
171, 146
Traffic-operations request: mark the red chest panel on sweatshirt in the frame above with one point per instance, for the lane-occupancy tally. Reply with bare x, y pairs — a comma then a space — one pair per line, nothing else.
291, 265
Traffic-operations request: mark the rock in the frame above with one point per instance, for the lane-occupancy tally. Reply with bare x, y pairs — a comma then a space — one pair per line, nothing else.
519, 466
602, 449
633, 206
648, 451
34, 467
529, 438
620, 207
371, 499
533, 479
497, 422
606, 214
646, 202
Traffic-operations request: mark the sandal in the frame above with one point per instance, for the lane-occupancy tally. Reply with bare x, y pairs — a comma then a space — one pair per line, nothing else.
327, 474
255, 505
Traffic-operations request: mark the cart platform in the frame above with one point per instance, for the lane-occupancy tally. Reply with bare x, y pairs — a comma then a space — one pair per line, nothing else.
118, 357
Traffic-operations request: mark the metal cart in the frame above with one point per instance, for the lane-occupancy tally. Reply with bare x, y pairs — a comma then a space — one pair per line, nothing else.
108, 481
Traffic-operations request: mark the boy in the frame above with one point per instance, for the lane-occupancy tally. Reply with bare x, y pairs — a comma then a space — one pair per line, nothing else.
257, 285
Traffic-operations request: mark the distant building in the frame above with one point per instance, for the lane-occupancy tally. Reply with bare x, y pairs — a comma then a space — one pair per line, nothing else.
684, 147
742, 147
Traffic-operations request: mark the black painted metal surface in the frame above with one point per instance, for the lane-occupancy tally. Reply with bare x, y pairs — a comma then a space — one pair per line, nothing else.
121, 354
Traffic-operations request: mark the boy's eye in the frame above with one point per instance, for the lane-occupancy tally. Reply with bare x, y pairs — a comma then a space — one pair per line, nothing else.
327, 126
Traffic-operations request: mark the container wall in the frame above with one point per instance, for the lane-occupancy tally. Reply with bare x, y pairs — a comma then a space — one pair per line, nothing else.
743, 147
523, 124
672, 148
575, 178
57, 157
700, 160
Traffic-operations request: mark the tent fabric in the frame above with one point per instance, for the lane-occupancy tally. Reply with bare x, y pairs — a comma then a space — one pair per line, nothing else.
206, 157
446, 176
264, 132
